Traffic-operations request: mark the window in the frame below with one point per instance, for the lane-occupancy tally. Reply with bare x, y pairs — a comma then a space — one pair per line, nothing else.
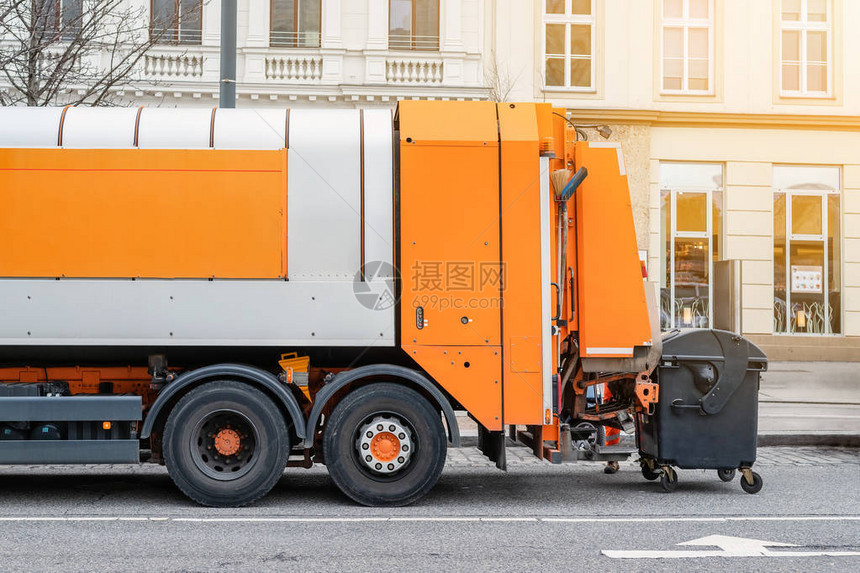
177, 21
61, 17
805, 48
295, 23
413, 25
690, 227
569, 42
806, 250
688, 46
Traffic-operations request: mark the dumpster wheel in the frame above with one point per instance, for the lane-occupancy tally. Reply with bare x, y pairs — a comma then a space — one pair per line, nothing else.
648, 472
669, 479
727, 474
751, 482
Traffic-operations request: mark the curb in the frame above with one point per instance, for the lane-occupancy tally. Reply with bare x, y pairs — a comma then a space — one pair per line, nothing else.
824, 439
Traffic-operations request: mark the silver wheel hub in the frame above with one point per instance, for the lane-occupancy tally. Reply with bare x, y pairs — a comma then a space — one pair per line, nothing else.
384, 445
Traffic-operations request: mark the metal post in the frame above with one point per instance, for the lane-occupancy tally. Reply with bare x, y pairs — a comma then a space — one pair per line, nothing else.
228, 54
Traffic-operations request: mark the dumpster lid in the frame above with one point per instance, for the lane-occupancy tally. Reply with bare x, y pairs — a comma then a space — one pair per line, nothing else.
704, 344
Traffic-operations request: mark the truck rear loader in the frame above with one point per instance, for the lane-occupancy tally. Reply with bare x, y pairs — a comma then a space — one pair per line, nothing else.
232, 292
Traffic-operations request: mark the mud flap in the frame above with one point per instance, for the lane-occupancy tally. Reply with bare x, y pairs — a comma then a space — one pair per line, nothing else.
492, 445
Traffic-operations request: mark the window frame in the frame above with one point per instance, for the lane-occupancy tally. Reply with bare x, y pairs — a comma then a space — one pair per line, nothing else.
685, 23
568, 19
414, 45
804, 26
790, 236
296, 31
175, 38
56, 22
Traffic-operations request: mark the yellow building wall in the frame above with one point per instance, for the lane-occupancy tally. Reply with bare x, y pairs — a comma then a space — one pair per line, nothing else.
748, 156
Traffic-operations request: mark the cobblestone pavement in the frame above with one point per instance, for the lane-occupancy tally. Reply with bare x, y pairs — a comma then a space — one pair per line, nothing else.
517, 455
783, 455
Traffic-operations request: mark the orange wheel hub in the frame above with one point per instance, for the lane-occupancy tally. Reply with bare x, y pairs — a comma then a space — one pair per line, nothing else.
385, 446
227, 442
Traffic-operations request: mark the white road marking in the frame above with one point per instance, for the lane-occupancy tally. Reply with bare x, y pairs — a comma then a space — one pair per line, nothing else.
449, 519
814, 416
728, 547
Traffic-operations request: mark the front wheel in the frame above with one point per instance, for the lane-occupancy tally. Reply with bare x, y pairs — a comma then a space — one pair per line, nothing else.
753, 487
384, 445
225, 444
669, 479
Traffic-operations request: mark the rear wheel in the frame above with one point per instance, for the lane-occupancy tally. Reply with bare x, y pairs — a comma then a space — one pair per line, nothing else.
384, 445
727, 474
647, 472
225, 444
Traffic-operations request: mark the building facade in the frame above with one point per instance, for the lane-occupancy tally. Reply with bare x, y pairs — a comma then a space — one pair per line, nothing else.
739, 120
319, 52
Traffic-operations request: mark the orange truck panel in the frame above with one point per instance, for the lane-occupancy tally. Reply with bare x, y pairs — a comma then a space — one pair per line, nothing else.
449, 249
449, 221
521, 248
143, 213
613, 314
471, 374
460, 123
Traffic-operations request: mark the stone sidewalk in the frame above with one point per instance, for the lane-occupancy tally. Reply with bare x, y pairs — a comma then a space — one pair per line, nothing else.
810, 403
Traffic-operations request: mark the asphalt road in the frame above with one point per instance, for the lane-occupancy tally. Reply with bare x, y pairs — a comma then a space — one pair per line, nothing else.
534, 517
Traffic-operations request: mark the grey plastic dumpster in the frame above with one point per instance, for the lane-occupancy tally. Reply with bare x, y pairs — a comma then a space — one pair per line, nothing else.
707, 413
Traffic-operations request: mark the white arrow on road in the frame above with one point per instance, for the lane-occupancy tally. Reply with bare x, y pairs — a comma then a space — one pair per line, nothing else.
728, 547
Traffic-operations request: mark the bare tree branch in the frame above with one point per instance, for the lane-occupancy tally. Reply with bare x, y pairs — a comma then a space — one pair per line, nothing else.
80, 52
499, 82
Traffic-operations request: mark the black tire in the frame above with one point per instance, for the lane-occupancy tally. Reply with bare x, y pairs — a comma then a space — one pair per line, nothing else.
755, 486
727, 474
216, 477
648, 473
669, 480
351, 470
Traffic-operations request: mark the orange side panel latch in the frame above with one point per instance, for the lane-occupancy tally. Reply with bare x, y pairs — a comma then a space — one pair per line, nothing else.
647, 393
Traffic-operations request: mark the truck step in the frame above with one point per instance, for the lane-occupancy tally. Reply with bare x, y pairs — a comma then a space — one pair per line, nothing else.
616, 450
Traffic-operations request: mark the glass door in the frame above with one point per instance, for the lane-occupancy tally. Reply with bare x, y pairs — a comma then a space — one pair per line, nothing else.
806, 251
692, 216
690, 259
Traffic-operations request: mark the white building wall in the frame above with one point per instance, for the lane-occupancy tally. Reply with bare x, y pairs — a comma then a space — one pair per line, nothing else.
352, 67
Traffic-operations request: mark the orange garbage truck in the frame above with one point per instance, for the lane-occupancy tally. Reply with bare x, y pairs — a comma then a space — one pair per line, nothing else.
231, 292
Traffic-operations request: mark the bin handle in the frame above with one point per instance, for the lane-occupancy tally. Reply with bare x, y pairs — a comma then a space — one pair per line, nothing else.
678, 403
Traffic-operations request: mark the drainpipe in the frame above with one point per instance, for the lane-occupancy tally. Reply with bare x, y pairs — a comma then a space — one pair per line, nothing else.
227, 87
